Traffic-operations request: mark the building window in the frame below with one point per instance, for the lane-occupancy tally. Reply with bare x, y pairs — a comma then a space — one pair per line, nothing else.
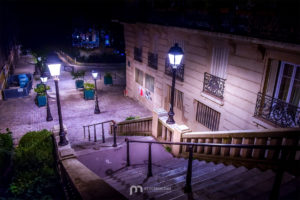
138, 54
139, 76
152, 60
178, 98
219, 61
213, 85
207, 116
279, 102
149, 84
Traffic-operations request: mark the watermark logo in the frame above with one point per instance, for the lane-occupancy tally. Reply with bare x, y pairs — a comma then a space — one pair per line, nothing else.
136, 189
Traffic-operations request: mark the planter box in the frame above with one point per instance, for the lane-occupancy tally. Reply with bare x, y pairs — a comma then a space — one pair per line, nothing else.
41, 100
79, 84
88, 94
13, 87
107, 80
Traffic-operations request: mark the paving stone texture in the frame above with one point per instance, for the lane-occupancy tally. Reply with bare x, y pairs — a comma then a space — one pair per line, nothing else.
21, 115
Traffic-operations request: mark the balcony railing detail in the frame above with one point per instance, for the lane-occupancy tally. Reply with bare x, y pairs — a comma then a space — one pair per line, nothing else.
214, 85
138, 54
152, 60
179, 70
277, 111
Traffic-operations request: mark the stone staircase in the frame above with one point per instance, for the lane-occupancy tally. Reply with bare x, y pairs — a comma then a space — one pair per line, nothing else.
209, 181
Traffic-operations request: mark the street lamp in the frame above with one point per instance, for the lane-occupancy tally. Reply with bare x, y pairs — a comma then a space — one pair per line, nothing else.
44, 81
175, 55
97, 110
55, 72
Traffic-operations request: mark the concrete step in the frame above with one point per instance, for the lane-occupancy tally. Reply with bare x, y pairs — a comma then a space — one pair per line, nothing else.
178, 182
198, 185
179, 187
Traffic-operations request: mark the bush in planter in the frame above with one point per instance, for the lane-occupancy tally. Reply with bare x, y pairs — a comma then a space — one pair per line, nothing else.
107, 78
78, 76
41, 98
6, 147
34, 167
89, 90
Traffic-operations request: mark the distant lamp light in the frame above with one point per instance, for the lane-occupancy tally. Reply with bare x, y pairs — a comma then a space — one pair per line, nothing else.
39, 59
175, 55
44, 79
94, 74
54, 69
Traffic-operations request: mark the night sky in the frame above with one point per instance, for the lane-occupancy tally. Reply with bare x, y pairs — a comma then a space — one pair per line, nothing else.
36, 23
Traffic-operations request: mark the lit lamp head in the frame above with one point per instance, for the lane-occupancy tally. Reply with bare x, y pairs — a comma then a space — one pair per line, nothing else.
54, 70
94, 74
44, 79
175, 55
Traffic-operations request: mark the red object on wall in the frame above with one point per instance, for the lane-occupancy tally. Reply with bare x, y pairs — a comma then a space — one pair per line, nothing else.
141, 93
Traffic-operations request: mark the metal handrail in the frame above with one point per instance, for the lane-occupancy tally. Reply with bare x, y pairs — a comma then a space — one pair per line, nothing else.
188, 187
114, 124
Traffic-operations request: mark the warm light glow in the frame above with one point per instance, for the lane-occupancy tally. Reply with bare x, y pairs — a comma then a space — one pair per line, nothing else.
175, 59
175, 55
54, 69
44, 79
94, 74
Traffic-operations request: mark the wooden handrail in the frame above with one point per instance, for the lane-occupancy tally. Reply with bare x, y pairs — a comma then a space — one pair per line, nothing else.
279, 132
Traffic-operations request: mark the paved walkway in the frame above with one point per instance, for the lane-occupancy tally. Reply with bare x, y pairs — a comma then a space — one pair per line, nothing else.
22, 115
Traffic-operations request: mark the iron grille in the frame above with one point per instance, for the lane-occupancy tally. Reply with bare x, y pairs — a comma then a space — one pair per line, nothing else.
138, 54
179, 70
277, 111
214, 85
208, 116
152, 60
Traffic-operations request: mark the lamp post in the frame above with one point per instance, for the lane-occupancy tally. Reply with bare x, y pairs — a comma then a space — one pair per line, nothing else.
55, 72
175, 55
97, 110
44, 81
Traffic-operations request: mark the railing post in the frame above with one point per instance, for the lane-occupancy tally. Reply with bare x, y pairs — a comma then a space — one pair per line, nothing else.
127, 153
188, 186
149, 161
84, 132
89, 133
115, 137
103, 137
278, 178
95, 134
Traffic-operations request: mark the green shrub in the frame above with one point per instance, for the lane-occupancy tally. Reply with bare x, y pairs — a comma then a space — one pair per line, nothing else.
89, 86
40, 89
6, 147
108, 75
78, 74
34, 166
132, 117
168, 149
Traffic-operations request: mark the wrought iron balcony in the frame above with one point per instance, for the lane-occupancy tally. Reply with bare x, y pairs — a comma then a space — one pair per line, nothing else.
179, 70
214, 85
138, 54
152, 60
277, 111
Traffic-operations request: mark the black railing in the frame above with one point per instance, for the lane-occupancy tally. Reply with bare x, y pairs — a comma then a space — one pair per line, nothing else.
102, 128
277, 111
179, 70
285, 150
152, 60
214, 85
138, 54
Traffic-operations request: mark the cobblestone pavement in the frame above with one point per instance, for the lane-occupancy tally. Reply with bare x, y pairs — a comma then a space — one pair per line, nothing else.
21, 115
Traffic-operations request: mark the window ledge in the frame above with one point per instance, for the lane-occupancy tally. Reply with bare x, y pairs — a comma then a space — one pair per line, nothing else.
262, 123
214, 99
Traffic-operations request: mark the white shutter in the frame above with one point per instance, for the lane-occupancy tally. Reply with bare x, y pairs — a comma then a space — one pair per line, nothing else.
219, 61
